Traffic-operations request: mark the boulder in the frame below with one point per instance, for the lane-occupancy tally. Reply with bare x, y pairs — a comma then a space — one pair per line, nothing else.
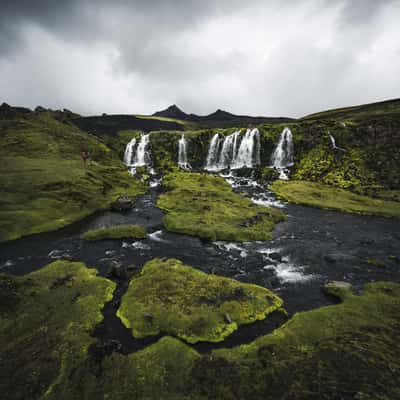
123, 203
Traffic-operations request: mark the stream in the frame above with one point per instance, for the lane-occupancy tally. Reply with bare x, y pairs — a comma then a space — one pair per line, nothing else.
309, 248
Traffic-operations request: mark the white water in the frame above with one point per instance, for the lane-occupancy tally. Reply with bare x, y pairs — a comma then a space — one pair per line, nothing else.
282, 157
333, 141
182, 154
212, 156
236, 151
138, 154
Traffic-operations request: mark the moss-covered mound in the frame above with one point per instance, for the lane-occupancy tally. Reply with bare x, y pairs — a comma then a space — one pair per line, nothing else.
44, 183
116, 232
172, 298
318, 195
344, 351
204, 205
46, 319
348, 350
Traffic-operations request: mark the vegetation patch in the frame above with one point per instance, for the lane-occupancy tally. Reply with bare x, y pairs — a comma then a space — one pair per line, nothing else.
346, 350
322, 196
116, 232
169, 297
46, 333
204, 205
44, 182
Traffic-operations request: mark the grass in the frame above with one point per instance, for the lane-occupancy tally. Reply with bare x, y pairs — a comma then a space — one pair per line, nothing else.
44, 184
174, 299
348, 350
116, 232
326, 197
204, 205
46, 320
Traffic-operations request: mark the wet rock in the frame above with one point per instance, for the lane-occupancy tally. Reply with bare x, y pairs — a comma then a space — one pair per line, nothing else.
275, 256
330, 259
336, 288
118, 271
123, 203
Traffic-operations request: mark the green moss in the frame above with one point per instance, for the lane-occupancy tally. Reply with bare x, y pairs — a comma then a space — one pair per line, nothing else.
116, 232
322, 196
47, 333
350, 349
44, 184
204, 205
172, 298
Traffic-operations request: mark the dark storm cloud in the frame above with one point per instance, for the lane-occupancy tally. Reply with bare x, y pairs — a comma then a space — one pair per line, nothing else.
261, 57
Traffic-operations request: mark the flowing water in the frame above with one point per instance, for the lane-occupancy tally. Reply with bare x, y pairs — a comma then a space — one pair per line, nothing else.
309, 248
182, 154
137, 154
235, 152
283, 156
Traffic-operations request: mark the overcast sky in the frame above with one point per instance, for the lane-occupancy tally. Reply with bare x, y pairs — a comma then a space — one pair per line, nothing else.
257, 57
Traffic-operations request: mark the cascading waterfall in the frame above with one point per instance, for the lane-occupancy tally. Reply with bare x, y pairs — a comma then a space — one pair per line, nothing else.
212, 156
236, 152
333, 141
138, 154
248, 155
282, 157
129, 152
182, 154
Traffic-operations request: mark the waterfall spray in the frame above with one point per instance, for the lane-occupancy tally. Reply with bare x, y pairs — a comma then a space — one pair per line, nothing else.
138, 154
282, 157
182, 154
236, 152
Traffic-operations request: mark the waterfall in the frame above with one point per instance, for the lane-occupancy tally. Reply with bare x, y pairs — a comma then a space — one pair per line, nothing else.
333, 141
212, 156
282, 157
248, 155
232, 154
228, 151
138, 154
129, 152
182, 154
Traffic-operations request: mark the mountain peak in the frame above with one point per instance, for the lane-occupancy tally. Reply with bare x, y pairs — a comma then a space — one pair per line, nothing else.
172, 111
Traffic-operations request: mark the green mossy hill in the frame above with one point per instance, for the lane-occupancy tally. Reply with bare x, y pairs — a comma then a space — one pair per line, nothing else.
204, 205
45, 328
160, 371
322, 196
116, 232
349, 350
172, 298
43, 182
344, 351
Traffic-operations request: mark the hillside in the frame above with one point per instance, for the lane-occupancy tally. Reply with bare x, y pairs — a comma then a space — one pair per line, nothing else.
379, 110
44, 184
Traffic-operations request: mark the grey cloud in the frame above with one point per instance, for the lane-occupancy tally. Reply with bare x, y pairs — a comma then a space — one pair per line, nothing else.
261, 57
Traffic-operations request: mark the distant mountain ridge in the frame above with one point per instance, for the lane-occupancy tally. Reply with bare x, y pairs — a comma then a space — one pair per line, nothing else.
218, 117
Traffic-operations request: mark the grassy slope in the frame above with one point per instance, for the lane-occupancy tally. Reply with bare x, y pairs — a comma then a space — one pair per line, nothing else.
379, 109
344, 351
318, 195
204, 205
116, 232
46, 318
44, 184
175, 299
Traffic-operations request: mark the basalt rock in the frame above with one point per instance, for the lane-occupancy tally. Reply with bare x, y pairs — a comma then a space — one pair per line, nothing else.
123, 203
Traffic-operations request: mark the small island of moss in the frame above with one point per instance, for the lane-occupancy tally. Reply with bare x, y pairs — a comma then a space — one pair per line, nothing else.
204, 205
116, 232
172, 298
